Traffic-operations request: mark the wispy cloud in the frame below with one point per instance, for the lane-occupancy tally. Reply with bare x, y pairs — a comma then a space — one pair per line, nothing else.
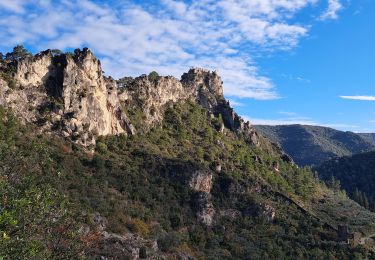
334, 6
341, 126
298, 78
287, 118
291, 118
135, 37
285, 113
363, 98
16, 6
285, 121
235, 103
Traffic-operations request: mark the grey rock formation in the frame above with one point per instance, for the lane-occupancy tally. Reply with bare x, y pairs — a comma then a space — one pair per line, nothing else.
205, 210
68, 94
153, 96
201, 181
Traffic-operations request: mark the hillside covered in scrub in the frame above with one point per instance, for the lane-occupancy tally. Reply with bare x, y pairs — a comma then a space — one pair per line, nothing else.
313, 145
154, 168
355, 174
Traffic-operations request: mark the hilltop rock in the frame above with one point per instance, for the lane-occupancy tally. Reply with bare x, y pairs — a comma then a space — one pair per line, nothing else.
67, 93
151, 97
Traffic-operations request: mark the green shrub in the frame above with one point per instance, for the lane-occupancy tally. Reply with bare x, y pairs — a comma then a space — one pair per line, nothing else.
8, 78
153, 76
138, 226
169, 241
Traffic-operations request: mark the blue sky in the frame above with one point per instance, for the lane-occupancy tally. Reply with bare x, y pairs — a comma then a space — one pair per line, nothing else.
282, 61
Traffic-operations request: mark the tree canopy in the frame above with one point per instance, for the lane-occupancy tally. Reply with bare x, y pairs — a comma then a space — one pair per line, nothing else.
19, 52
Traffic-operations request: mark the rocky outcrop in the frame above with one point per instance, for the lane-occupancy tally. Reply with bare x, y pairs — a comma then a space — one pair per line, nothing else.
67, 93
102, 244
152, 96
205, 208
201, 181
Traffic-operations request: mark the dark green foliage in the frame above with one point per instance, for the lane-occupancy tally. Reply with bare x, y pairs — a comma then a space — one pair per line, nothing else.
19, 52
153, 76
140, 185
7, 76
35, 220
143, 252
124, 82
356, 175
313, 145
169, 241
150, 173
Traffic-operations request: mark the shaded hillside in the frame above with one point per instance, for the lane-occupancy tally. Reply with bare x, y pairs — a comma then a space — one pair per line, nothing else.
356, 175
313, 145
163, 169
369, 137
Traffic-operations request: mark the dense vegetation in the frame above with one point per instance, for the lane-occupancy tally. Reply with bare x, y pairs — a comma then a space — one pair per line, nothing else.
138, 184
35, 218
313, 145
356, 175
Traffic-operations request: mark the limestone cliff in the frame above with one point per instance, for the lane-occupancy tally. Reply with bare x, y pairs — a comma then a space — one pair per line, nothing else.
152, 97
68, 94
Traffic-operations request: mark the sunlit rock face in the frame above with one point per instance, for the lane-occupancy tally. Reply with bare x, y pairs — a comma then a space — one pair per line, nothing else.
69, 95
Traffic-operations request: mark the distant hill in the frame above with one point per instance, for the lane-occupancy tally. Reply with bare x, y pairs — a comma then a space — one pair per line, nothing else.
370, 137
356, 175
313, 145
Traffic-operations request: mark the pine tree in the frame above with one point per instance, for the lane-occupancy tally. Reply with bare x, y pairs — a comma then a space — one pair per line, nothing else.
19, 52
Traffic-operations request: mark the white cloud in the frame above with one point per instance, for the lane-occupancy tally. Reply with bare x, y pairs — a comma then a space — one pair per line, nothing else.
132, 39
261, 121
285, 113
341, 126
292, 118
363, 98
16, 6
334, 6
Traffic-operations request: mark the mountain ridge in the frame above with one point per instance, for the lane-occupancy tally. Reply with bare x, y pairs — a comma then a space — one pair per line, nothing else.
61, 74
313, 145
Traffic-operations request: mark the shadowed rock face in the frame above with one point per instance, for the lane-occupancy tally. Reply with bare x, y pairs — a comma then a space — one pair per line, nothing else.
68, 94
